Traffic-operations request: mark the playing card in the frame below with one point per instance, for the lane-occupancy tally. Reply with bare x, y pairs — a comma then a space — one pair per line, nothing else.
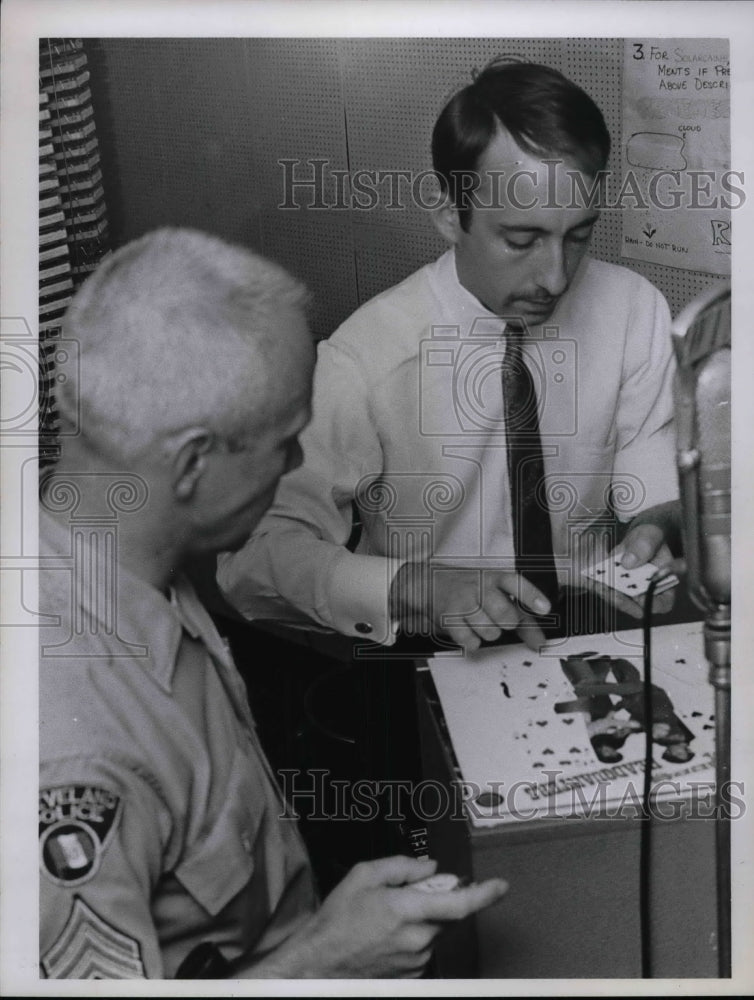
632, 582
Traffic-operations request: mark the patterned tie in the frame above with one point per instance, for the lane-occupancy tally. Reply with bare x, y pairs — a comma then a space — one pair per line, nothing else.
532, 533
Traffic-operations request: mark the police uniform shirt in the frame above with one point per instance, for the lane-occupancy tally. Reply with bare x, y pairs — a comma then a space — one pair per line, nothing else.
160, 823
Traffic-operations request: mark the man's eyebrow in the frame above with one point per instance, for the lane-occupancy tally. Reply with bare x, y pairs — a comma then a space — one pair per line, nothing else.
587, 222
521, 228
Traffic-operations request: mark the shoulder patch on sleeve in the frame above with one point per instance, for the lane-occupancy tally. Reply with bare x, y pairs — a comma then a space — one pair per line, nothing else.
76, 823
91, 948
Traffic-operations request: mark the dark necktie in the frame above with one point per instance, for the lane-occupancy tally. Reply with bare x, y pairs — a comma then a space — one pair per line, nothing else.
532, 533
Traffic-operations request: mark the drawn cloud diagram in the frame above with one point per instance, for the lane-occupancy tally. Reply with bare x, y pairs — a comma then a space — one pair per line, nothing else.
656, 151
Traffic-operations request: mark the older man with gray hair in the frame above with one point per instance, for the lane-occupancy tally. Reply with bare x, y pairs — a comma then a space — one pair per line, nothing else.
165, 846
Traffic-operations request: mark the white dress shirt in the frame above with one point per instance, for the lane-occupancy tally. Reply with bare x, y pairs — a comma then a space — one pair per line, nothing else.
408, 420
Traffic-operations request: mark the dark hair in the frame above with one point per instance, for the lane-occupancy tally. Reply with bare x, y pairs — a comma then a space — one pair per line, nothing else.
544, 112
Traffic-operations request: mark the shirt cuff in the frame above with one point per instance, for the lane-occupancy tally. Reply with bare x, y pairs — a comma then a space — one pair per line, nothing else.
358, 594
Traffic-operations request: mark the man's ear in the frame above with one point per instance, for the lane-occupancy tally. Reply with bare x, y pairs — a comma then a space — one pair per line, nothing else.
447, 221
188, 450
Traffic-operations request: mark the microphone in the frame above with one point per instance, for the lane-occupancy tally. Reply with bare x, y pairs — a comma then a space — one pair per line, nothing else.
702, 342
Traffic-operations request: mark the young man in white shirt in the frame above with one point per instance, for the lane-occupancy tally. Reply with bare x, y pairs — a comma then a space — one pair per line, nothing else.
409, 411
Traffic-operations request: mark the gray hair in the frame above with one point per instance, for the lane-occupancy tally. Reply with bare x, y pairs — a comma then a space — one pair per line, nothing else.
173, 332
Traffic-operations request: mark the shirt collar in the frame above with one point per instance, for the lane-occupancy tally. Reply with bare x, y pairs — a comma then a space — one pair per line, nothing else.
465, 309
195, 619
144, 616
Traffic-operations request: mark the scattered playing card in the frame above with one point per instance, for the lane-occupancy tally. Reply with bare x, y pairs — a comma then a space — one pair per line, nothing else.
632, 582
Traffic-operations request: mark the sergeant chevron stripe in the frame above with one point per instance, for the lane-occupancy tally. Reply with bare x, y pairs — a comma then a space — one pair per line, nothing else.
89, 948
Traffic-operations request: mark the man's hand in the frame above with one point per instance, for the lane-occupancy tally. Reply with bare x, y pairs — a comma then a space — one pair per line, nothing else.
374, 925
651, 536
644, 543
646, 540
469, 605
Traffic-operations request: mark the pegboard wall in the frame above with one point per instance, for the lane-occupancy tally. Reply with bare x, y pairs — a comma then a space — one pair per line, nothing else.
197, 130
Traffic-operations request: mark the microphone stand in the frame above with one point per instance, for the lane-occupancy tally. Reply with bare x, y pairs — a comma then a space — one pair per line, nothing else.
717, 654
717, 644
717, 651
702, 390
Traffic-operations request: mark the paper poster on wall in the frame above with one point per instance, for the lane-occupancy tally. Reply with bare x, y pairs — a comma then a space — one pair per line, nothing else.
678, 187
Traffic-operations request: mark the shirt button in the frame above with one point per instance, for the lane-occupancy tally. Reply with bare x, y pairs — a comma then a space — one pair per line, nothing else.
246, 842
363, 627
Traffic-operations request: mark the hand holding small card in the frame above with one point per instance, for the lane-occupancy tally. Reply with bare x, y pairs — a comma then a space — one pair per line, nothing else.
633, 583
